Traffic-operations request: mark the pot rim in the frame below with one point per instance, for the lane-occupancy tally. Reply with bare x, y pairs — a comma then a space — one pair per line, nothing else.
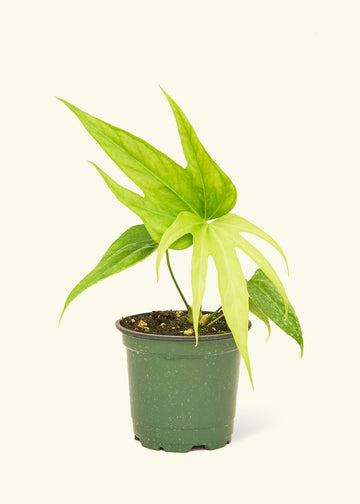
170, 337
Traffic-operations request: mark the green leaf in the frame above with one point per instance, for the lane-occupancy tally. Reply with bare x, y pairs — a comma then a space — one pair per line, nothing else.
214, 189
165, 184
270, 301
255, 310
130, 248
168, 189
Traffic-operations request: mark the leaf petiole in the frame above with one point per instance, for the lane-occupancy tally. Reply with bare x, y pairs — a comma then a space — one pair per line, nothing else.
213, 314
188, 307
213, 321
209, 317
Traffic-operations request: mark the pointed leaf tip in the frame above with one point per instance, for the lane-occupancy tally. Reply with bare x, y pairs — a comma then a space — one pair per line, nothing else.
61, 316
301, 350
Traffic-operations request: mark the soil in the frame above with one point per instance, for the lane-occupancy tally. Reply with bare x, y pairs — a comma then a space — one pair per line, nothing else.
170, 322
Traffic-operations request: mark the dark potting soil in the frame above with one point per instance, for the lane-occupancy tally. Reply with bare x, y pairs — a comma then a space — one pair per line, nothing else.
170, 322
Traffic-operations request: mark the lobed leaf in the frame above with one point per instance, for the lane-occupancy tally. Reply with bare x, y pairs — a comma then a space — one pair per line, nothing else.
165, 184
214, 240
233, 224
130, 248
168, 189
268, 298
232, 289
220, 238
239, 224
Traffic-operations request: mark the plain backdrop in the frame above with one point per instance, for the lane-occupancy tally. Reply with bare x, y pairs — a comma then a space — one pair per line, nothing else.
272, 88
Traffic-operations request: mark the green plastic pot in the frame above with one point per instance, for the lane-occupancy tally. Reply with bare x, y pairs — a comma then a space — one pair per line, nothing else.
182, 396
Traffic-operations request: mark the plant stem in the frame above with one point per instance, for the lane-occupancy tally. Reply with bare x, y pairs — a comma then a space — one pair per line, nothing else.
211, 316
188, 307
215, 312
213, 322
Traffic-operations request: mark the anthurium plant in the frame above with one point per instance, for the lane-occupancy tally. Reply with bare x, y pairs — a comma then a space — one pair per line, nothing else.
183, 207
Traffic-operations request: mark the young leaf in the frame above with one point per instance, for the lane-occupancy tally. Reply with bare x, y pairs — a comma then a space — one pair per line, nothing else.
220, 238
232, 225
199, 266
130, 248
210, 239
232, 288
255, 310
213, 188
239, 224
269, 300
187, 222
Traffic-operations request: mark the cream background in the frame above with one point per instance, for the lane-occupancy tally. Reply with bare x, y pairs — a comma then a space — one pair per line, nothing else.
272, 89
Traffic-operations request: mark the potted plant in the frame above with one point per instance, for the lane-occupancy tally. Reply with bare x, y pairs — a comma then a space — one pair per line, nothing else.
183, 365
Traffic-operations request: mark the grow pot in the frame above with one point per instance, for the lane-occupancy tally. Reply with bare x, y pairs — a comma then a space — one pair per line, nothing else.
182, 396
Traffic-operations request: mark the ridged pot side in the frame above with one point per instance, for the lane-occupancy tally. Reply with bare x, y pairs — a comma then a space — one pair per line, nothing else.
182, 396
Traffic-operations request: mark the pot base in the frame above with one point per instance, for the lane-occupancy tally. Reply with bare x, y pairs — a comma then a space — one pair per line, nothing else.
182, 440
181, 448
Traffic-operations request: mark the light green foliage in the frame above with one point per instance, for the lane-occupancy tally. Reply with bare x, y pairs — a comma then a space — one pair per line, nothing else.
268, 298
187, 222
220, 238
176, 206
130, 248
232, 288
232, 225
